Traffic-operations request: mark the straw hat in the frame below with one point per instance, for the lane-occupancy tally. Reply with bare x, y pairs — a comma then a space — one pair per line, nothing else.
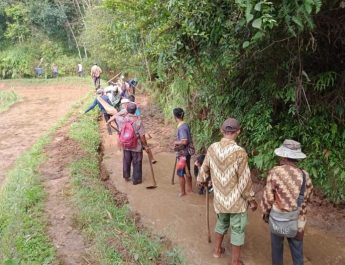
290, 149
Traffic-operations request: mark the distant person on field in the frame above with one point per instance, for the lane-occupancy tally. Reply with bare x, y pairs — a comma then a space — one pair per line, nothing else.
80, 70
184, 150
287, 191
227, 164
95, 103
55, 71
133, 156
96, 72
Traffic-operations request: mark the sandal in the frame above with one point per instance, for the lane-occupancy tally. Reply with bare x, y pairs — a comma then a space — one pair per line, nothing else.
222, 251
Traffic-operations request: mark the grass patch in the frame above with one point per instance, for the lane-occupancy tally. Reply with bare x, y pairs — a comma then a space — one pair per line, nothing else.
116, 238
7, 99
22, 226
23, 238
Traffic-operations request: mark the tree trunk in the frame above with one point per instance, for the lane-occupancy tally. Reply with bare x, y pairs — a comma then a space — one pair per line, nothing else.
70, 27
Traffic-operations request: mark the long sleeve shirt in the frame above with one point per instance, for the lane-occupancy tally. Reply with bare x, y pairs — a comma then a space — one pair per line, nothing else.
282, 190
227, 164
96, 102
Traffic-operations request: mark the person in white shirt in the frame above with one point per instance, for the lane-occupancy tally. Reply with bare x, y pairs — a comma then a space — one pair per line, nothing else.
80, 69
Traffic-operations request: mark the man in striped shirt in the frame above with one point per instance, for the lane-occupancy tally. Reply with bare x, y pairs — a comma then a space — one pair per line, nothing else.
283, 194
227, 164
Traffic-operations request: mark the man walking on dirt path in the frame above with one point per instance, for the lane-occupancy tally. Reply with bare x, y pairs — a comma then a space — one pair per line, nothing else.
96, 75
227, 164
184, 150
96, 102
133, 156
287, 190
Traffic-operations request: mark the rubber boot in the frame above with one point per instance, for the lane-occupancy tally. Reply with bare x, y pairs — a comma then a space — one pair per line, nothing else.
235, 255
218, 239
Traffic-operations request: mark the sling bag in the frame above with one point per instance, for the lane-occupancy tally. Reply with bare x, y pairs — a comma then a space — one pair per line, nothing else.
286, 223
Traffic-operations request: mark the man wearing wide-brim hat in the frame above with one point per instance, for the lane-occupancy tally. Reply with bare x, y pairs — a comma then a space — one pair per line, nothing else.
288, 189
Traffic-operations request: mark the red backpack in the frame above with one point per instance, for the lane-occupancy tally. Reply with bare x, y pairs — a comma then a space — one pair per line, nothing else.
128, 137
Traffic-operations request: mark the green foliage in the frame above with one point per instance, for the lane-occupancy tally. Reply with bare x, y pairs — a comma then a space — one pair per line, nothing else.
17, 25
20, 61
31, 30
116, 237
272, 64
7, 99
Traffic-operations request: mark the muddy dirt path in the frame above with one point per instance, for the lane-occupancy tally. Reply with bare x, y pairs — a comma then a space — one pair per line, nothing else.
182, 220
40, 107
69, 243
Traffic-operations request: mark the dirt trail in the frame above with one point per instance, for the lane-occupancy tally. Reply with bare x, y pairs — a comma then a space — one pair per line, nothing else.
40, 108
67, 239
182, 220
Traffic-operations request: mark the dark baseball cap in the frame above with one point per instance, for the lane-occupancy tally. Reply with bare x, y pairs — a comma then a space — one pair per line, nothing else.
131, 107
231, 125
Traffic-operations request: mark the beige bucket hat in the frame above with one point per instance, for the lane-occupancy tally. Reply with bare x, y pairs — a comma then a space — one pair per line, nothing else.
290, 149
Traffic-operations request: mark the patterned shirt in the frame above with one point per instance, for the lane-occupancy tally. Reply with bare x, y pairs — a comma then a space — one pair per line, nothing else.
282, 190
227, 164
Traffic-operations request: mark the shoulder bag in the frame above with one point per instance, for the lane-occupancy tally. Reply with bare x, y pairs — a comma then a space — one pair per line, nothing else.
286, 223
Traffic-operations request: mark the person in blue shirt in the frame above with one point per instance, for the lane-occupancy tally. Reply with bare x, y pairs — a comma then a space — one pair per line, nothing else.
95, 103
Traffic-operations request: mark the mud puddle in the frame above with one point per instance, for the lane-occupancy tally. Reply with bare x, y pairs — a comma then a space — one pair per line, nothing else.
182, 220
41, 106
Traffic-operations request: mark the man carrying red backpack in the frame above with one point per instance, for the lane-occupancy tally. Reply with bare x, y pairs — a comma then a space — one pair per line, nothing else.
132, 138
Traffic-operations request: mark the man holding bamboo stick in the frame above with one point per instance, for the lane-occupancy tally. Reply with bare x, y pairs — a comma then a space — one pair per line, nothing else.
226, 163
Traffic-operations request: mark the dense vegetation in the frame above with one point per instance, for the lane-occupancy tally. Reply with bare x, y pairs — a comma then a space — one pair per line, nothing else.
41, 33
278, 66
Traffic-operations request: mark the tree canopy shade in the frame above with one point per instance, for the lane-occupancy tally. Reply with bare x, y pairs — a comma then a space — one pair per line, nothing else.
47, 29
278, 66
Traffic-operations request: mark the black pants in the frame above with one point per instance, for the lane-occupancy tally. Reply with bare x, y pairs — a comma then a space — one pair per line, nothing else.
135, 158
106, 118
296, 249
97, 82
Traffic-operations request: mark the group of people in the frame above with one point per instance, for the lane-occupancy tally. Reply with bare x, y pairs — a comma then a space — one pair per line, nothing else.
225, 165
55, 70
122, 114
225, 168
